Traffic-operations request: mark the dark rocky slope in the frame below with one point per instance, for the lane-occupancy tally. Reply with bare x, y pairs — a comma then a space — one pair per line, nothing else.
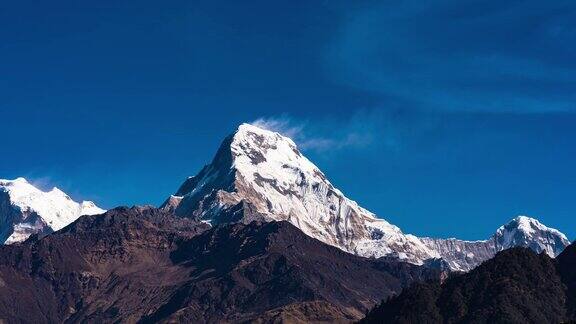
567, 269
99, 267
144, 265
517, 286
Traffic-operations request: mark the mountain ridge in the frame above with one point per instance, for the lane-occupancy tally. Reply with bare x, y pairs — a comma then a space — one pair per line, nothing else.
261, 175
258, 174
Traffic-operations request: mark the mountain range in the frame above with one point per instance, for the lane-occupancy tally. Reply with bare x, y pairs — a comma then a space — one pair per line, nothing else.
261, 235
261, 175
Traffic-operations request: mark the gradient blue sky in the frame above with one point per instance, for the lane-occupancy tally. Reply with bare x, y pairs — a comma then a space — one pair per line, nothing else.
446, 117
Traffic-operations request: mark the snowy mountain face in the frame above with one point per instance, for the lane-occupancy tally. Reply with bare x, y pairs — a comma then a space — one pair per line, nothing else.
260, 175
26, 210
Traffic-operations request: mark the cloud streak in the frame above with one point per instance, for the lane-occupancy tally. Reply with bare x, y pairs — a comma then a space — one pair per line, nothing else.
283, 125
449, 55
362, 130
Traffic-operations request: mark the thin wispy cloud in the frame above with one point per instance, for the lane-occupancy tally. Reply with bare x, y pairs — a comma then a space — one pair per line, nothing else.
363, 129
44, 183
283, 125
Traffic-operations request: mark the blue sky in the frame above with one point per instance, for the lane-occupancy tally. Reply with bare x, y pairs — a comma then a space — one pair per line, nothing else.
447, 118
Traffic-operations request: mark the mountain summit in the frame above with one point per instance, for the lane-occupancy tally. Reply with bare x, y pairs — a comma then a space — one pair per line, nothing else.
26, 210
258, 174
529, 232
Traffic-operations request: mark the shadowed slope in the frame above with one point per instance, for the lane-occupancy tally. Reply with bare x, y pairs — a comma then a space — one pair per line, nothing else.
249, 272
517, 286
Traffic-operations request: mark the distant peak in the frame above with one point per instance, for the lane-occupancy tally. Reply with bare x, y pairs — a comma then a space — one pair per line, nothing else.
19, 180
525, 219
23, 186
530, 226
53, 209
527, 224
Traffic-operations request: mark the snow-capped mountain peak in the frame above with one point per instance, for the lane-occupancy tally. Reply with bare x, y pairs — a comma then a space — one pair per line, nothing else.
528, 226
25, 210
259, 174
263, 154
529, 232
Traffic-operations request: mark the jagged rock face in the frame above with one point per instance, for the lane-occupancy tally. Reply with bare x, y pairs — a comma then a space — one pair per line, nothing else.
260, 175
146, 265
567, 269
462, 255
26, 210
